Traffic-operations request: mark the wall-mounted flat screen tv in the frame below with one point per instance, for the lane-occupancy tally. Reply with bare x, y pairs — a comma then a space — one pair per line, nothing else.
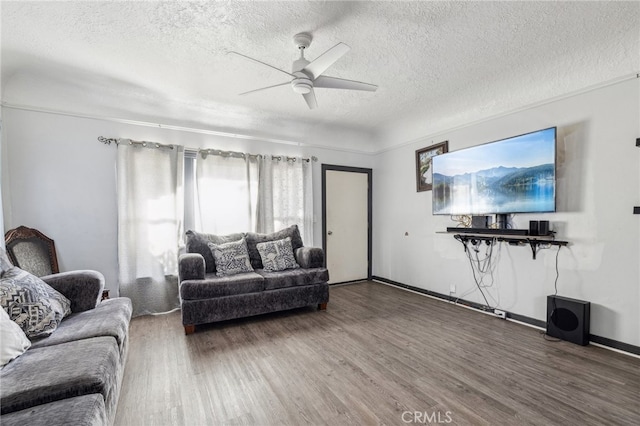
514, 175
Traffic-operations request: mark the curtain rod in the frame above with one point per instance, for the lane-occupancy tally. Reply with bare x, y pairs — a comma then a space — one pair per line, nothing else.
108, 141
203, 152
206, 152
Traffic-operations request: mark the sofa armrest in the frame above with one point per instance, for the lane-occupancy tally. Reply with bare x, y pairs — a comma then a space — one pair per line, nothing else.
310, 257
191, 267
82, 288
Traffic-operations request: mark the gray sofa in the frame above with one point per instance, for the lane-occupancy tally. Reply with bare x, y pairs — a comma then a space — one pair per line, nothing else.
206, 297
74, 375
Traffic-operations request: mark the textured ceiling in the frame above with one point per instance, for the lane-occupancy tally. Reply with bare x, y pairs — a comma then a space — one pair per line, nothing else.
437, 64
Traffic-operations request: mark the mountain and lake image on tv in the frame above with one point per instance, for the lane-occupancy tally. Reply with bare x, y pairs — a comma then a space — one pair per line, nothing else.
514, 175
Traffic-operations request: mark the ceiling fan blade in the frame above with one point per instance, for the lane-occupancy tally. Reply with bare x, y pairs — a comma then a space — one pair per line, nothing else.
324, 61
340, 83
311, 99
260, 62
264, 88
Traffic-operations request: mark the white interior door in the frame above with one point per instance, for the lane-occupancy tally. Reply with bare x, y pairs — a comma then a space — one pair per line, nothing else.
347, 225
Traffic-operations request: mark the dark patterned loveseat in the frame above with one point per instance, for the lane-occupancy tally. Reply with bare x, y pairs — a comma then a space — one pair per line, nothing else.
72, 376
207, 295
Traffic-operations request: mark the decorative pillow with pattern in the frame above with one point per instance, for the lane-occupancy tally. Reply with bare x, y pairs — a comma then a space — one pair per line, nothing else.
231, 258
253, 239
198, 242
277, 255
33, 304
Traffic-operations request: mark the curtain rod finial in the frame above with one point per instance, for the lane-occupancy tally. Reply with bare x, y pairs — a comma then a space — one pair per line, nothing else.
107, 141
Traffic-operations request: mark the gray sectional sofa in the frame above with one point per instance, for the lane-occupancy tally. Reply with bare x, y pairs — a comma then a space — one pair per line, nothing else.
73, 376
206, 297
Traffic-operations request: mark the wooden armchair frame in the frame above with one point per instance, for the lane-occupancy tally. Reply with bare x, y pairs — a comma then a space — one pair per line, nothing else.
22, 234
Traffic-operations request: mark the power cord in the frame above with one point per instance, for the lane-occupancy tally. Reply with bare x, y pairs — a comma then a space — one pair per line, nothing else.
481, 268
555, 293
463, 221
488, 264
484, 266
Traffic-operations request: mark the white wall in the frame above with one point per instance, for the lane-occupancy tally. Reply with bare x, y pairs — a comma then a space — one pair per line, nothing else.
1, 178
61, 180
598, 186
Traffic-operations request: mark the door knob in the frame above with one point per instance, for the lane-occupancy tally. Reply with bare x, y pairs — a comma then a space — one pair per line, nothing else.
330, 233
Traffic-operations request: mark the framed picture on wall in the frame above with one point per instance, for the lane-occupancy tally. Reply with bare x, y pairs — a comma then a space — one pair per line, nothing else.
424, 178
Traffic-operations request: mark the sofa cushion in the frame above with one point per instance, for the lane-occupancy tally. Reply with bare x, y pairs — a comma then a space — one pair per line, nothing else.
253, 239
231, 258
214, 286
44, 375
13, 341
277, 255
33, 304
293, 277
86, 410
109, 318
197, 242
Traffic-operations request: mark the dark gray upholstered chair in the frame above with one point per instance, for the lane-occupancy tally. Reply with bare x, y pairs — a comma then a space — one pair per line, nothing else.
32, 251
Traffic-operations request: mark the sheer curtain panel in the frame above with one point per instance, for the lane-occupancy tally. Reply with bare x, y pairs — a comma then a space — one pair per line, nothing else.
226, 193
286, 196
150, 224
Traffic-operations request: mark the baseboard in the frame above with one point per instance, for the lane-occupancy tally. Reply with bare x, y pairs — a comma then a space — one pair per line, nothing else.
601, 341
437, 295
348, 282
527, 320
621, 346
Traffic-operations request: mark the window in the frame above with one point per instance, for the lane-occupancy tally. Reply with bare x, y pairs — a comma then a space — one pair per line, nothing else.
232, 193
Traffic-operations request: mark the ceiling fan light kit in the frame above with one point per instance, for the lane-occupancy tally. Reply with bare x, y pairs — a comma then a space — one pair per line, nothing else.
301, 84
306, 75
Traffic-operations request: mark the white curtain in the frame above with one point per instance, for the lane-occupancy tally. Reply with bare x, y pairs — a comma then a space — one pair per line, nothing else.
150, 220
285, 196
226, 193
260, 194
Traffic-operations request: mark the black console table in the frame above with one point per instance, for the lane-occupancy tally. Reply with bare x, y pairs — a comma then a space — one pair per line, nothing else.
513, 239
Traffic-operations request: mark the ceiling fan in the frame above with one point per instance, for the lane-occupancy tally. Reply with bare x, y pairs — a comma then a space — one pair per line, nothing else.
306, 75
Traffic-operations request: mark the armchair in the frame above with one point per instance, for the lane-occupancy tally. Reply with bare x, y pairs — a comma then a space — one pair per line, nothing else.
32, 251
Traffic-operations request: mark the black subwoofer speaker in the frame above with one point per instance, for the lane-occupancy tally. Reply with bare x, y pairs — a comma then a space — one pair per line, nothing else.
568, 319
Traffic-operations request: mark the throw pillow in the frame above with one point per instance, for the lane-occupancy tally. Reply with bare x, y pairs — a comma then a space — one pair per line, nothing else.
231, 258
34, 305
198, 243
277, 255
253, 239
14, 342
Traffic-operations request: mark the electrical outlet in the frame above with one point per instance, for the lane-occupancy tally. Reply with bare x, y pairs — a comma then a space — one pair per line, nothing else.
499, 313
452, 288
